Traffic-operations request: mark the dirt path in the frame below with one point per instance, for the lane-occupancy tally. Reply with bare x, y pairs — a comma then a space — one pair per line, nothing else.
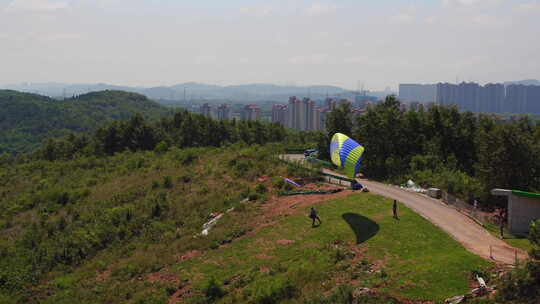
471, 235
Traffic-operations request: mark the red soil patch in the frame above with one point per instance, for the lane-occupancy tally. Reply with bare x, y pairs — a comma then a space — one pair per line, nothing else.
263, 256
179, 295
285, 242
287, 205
188, 255
163, 277
103, 276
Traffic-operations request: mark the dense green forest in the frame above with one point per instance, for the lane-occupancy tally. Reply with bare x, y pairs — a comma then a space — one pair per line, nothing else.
26, 120
460, 152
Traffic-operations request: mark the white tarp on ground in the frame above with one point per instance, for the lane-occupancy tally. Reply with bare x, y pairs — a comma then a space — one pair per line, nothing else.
210, 224
411, 186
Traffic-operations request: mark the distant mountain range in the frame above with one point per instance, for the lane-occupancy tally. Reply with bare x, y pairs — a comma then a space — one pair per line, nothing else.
195, 91
524, 82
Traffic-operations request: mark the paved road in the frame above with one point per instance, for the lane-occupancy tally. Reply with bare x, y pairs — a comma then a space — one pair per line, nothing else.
471, 235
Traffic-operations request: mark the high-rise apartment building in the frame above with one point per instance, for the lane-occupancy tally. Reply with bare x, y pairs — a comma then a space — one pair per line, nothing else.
224, 112
301, 114
206, 110
279, 114
491, 98
250, 112
466, 96
422, 93
522, 99
330, 104
533, 99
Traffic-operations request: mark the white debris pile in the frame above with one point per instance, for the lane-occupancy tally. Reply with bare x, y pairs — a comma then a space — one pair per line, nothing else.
411, 186
208, 225
214, 218
477, 292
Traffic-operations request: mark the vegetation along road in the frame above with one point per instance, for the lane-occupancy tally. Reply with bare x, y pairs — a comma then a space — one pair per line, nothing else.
471, 235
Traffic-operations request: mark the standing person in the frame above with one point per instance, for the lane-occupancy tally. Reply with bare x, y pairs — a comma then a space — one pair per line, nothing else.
313, 216
501, 222
394, 209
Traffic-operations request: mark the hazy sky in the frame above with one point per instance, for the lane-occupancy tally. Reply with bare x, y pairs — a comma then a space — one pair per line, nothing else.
376, 42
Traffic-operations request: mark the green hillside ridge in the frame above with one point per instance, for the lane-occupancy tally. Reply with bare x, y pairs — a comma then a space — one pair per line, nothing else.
121, 229
27, 120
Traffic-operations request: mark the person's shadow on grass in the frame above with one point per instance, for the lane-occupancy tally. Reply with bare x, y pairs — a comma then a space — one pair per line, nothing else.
363, 227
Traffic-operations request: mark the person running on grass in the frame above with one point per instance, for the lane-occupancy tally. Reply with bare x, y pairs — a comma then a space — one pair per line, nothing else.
313, 216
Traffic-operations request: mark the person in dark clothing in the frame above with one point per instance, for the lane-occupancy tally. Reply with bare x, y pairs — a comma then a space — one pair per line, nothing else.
394, 209
501, 223
313, 216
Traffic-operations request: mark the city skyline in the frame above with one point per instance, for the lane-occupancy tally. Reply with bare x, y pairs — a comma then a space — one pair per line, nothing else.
371, 44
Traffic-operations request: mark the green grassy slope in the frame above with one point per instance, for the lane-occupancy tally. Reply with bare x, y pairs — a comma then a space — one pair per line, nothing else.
412, 258
26, 120
124, 229
57, 218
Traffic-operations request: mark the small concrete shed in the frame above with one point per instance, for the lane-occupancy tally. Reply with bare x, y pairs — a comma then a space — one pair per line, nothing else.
523, 208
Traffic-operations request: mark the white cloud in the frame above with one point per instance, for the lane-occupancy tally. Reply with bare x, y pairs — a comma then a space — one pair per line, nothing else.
205, 59
529, 7
258, 10
36, 5
317, 9
310, 59
488, 20
60, 37
357, 60
402, 18
471, 2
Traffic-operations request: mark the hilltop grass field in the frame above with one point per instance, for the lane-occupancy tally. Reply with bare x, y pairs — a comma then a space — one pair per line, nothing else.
358, 243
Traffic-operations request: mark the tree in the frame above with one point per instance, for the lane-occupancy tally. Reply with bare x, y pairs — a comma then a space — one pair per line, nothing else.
339, 120
506, 157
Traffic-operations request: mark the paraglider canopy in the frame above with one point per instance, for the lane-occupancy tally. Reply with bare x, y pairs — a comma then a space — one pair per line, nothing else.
346, 153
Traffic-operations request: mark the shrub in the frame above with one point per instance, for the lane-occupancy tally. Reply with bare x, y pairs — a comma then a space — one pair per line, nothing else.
185, 178
254, 196
274, 290
155, 184
162, 147
288, 187
260, 188
212, 290
167, 182
278, 183
187, 157
343, 294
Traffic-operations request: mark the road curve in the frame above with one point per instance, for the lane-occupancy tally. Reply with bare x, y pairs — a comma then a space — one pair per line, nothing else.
471, 235
463, 229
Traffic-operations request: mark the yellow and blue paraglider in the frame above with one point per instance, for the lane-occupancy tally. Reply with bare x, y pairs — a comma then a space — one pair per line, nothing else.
346, 153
